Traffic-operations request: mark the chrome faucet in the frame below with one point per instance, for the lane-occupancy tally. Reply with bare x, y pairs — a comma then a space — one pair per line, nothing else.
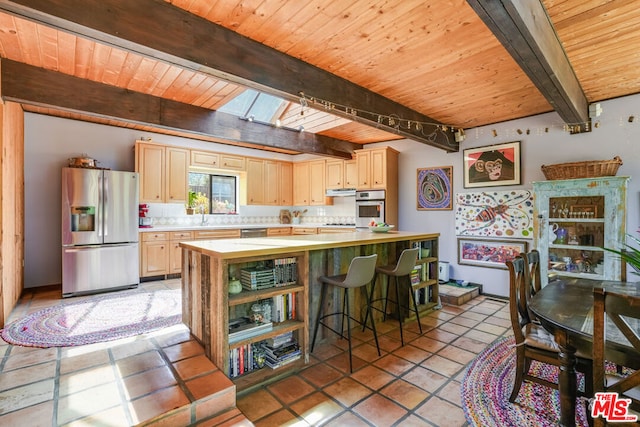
204, 221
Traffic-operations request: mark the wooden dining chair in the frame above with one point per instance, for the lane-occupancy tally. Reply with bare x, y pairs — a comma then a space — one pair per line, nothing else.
532, 277
624, 313
532, 341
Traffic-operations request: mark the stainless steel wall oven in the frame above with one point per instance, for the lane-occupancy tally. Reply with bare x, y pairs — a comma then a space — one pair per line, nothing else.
369, 207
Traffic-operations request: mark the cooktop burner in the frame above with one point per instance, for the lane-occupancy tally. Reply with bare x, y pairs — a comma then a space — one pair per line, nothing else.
346, 224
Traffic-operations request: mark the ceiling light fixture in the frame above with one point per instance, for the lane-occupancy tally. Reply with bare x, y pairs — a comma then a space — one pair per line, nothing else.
595, 110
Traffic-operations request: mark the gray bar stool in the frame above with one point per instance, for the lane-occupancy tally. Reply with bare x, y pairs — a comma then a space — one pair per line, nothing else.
406, 263
360, 273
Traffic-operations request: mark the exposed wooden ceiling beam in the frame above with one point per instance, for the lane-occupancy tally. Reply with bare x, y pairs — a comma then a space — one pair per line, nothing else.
158, 29
33, 85
525, 30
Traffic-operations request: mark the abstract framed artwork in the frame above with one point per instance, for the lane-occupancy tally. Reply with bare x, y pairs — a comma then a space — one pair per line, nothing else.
489, 253
492, 165
501, 214
434, 187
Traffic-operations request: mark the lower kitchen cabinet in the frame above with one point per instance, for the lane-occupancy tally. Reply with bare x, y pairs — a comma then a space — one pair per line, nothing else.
161, 254
175, 251
154, 254
304, 230
279, 231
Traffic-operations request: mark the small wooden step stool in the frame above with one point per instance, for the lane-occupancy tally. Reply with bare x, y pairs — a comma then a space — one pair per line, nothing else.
455, 294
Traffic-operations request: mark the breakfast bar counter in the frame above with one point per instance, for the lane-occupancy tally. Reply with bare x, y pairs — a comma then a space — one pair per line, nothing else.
282, 273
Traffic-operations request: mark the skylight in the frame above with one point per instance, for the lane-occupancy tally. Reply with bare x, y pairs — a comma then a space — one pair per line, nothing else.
254, 105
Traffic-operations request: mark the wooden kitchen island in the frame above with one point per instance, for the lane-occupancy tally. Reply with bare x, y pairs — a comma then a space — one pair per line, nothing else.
290, 298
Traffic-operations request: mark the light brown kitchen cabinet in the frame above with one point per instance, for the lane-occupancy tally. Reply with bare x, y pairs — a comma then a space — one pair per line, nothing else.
377, 169
334, 177
341, 174
176, 173
255, 182
219, 161
279, 231
309, 183
161, 254
154, 254
163, 173
317, 190
304, 230
301, 184
270, 182
205, 159
150, 161
350, 174
232, 162
175, 251
285, 183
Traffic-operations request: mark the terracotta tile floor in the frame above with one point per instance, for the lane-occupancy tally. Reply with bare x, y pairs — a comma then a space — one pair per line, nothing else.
161, 378
128, 382
417, 384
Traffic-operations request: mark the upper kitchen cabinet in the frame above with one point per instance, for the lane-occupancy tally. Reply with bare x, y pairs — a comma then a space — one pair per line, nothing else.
574, 220
222, 161
350, 173
163, 173
301, 184
255, 182
285, 183
205, 159
341, 174
309, 183
268, 182
377, 169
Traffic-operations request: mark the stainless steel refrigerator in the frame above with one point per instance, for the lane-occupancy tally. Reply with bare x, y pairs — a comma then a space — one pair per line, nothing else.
99, 230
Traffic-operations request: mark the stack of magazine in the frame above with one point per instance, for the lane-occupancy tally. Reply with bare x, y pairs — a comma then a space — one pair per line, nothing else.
255, 278
243, 328
280, 350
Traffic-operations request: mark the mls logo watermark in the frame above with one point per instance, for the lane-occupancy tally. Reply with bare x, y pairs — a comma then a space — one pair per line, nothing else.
611, 407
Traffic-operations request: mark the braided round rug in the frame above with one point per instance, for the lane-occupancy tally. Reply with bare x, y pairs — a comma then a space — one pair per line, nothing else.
96, 319
487, 385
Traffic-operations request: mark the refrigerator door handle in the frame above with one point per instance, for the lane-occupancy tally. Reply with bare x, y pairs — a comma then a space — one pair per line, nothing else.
102, 211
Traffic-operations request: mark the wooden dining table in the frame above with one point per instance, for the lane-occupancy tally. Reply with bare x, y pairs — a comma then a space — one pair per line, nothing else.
565, 308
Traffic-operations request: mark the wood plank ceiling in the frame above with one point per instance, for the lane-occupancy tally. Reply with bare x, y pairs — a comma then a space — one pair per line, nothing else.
437, 58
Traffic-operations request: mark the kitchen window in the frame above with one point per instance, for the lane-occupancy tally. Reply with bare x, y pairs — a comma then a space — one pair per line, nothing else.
218, 194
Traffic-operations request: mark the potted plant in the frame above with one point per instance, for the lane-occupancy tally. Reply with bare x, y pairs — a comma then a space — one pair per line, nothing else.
629, 254
191, 205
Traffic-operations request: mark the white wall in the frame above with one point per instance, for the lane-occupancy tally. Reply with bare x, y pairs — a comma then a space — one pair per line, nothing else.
615, 136
50, 141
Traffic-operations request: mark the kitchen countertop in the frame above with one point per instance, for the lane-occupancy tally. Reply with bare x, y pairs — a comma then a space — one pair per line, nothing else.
239, 248
235, 227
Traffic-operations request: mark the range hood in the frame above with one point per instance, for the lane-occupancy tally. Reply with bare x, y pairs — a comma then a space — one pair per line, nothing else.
342, 192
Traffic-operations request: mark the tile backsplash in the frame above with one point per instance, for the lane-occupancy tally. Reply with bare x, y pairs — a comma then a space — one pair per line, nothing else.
172, 214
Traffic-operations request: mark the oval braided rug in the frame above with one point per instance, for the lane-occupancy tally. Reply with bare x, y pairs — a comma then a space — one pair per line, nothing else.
97, 318
487, 385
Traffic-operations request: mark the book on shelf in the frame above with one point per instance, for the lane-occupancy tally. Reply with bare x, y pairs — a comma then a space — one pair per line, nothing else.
243, 328
279, 340
241, 360
282, 355
416, 274
255, 278
280, 363
284, 307
285, 271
